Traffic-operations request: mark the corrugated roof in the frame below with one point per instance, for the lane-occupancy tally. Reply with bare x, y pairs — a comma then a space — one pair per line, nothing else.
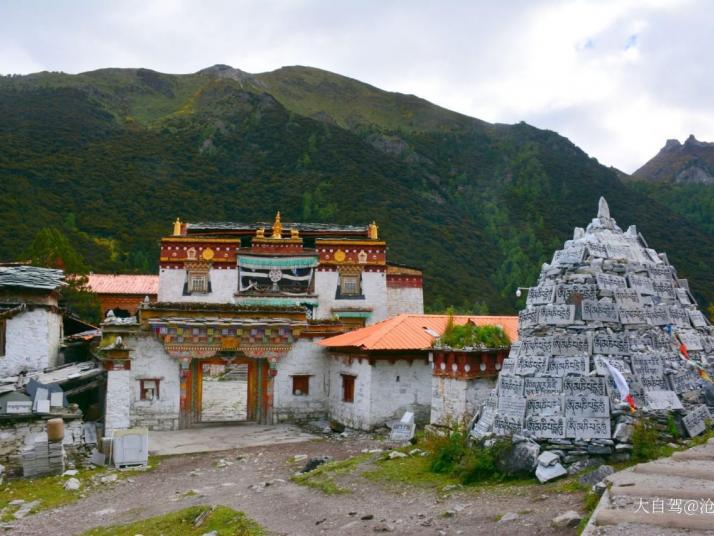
24, 276
413, 332
141, 285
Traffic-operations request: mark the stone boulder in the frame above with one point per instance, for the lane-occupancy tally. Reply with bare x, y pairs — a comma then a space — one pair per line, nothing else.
522, 458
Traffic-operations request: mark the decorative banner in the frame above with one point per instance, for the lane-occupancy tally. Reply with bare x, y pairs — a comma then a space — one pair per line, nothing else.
600, 311
563, 293
561, 366
571, 345
587, 428
584, 385
586, 406
510, 386
532, 365
539, 387
696, 419
541, 295
633, 315
545, 406
611, 344
642, 285
506, 426
537, 346
662, 400
546, 427
626, 297
610, 282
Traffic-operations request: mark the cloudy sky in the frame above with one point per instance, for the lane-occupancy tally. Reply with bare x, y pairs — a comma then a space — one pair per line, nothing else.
616, 77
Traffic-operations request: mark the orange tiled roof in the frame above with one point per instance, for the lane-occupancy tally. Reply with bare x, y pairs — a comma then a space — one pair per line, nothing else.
413, 332
142, 285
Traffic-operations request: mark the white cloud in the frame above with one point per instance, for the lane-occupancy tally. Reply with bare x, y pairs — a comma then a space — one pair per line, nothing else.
618, 77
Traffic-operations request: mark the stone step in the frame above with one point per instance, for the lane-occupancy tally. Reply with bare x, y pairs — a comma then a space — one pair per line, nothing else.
670, 520
634, 484
696, 469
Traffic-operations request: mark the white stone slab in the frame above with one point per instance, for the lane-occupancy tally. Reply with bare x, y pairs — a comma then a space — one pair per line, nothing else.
556, 315
599, 311
695, 421
617, 344
571, 345
584, 385
536, 387
590, 406
532, 365
587, 428
545, 406
546, 427
662, 400
540, 295
560, 366
610, 282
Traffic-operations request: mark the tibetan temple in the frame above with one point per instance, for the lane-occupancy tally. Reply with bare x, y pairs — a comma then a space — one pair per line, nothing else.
240, 307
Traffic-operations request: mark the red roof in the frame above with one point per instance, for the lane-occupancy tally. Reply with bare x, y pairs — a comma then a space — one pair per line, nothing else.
142, 285
413, 332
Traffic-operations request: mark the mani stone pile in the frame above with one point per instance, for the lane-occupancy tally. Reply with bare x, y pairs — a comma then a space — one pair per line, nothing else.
606, 297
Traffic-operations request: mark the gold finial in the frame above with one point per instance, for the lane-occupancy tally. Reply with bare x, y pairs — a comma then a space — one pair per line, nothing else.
177, 227
277, 227
294, 233
373, 231
260, 232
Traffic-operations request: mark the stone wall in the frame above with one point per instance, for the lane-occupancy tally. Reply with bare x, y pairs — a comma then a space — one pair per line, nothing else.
305, 358
374, 290
32, 341
402, 300
118, 401
224, 284
353, 414
453, 400
398, 387
14, 435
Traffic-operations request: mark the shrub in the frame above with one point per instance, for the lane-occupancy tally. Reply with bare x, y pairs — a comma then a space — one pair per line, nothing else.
644, 441
475, 336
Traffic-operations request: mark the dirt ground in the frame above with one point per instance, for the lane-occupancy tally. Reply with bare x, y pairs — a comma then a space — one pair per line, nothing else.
286, 508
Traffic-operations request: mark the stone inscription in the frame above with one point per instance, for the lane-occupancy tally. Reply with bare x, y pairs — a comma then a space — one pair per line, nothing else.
544, 406
537, 346
561, 366
626, 297
617, 364
662, 400
536, 387
696, 420
564, 292
512, 406
586, 406
587, 428
557, 315
610, 282
546, 427
575, 345
643, 285
540, 295
504, 425
510, 386
584, 385
633, 315
611, 344
532, 364
599, 311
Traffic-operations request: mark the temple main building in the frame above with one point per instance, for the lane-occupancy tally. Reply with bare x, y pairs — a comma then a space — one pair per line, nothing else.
232, 334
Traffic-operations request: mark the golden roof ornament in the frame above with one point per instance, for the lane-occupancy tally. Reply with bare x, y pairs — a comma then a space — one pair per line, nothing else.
294, 235
277, 227
260, 232
177, 227
373, 231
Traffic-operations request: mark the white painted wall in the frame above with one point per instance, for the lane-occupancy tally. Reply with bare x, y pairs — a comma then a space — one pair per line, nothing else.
305, 357
150, 360
374, 290
454, 400
400, 387
118, 401
401, 300
224, 284
32, 342
354, 414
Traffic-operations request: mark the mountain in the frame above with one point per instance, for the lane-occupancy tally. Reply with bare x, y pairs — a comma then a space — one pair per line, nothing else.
113, 156
689, 163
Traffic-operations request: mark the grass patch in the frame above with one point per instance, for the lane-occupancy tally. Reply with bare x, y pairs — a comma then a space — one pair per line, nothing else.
193, 521
49, 490
323, 478
414, 470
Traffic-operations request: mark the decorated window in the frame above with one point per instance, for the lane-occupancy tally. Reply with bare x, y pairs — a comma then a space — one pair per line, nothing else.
350, 285
198, 283
149, 389
348, 388
301, 385
3, 326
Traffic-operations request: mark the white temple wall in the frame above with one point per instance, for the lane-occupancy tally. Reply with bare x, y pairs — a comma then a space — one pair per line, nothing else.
118, 401
374, 290
400, 387
32, 341
453, 400
352, 414
150, 361
401, 300
224, 284
305, 358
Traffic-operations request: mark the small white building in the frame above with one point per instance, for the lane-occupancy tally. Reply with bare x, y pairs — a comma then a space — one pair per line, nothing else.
30, 318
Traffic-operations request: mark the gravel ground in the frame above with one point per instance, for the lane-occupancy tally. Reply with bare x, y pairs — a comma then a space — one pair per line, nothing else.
284, 507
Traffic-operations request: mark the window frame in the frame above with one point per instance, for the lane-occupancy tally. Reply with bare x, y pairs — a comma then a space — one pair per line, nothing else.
301, 378
194, 277
348, 388
143, 388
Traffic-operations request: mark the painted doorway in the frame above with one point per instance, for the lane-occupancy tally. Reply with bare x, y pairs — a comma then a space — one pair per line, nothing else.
225, 391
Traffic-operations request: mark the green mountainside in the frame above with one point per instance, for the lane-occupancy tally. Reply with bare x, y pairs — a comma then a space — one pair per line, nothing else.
113, 156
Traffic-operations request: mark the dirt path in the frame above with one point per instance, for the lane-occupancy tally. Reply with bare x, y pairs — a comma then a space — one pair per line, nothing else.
286, 508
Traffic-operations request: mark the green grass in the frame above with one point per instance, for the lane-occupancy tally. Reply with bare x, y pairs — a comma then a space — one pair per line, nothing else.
49, 490
323, 478
414, 470
225, 521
